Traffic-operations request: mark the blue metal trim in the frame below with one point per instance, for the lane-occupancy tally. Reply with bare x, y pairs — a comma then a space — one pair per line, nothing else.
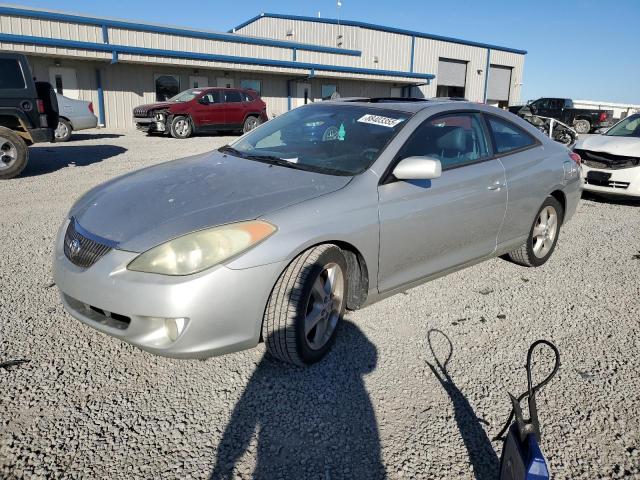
105, 34
371, 26
413, 49
227, 37
123, 49
294, 55
101, 115
486, 74
114, 57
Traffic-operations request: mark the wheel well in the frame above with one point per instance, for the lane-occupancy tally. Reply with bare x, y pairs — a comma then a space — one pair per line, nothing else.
357, 274
559, 196
252, 114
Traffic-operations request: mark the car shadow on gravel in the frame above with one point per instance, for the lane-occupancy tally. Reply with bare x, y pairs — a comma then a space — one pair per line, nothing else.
481, 453
313, 422
94, 136
43, 160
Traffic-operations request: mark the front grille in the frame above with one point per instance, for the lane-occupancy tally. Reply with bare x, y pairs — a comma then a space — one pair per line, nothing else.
607, 161
80, 250
140, 112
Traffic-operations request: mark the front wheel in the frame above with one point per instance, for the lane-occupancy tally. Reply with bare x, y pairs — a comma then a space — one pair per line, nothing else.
64, 130
250, 123
543, 235
306, 305
14, 154
181, 127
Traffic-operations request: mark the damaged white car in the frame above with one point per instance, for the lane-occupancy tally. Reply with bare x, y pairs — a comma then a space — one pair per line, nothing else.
611, 161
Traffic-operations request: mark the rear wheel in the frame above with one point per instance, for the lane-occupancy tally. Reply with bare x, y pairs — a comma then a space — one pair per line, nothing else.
64, 130
582, 126
543, 236
181, 127
250, 123
306, 305
14, 154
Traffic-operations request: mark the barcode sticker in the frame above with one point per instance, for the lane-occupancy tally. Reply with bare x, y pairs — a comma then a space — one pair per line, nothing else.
379, 120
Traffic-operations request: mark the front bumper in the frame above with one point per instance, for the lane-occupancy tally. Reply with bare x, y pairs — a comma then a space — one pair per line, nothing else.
223, 307
623, 181
150, 124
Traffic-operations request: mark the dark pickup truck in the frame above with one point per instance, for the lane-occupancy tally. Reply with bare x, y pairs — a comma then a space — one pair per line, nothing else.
584, 120
28, 113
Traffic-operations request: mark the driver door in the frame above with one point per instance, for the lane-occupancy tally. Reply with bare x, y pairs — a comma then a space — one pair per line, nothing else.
432, 225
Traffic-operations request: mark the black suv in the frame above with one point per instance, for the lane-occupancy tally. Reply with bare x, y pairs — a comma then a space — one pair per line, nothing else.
28, 113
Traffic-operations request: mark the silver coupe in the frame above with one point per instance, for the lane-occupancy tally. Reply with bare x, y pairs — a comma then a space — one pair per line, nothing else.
331, 206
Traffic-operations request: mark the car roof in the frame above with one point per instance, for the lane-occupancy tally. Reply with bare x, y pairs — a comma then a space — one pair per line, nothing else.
402, 104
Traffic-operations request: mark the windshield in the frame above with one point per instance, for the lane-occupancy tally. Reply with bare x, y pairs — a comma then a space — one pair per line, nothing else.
629, 127
334, 138
186, 95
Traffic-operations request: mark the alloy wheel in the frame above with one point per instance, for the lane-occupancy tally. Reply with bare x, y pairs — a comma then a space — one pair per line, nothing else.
62, 130
545, 231
8, 153
182, 127
324, 306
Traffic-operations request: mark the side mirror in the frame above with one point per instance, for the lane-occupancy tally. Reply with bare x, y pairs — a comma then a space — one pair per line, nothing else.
204, 100
533, 109
418, 168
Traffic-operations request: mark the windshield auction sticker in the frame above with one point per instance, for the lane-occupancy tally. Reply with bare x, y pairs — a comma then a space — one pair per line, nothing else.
378, 120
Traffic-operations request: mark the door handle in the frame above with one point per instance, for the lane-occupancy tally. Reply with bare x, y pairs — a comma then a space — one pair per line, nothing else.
496, 186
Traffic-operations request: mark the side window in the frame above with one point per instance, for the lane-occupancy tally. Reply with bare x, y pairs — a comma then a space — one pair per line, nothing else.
507, 136
246, 97
455, 139
213, 97
556, 103
232, 96
11, 74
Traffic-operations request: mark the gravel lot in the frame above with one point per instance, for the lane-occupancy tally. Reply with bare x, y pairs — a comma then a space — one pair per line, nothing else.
87, 405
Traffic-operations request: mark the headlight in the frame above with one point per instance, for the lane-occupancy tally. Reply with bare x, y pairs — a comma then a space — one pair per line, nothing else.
159, 117
197, 251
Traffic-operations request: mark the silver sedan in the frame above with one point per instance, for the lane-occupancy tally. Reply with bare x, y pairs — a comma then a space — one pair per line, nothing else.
329, 207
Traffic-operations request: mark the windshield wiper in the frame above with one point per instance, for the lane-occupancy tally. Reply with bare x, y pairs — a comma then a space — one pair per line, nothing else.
272, 159
231, 150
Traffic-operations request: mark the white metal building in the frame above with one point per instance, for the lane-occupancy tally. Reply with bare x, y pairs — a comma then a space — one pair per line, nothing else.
289, 60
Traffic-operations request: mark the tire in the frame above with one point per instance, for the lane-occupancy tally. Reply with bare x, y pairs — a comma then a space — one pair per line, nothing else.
582, 126
299, 298
181, 127
535, 252
14, 154
250, 123
64, 131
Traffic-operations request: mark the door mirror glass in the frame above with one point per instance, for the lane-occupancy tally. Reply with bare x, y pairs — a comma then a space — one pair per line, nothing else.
418, 168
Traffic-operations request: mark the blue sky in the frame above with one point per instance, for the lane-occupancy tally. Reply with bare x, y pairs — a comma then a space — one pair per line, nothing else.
586, 49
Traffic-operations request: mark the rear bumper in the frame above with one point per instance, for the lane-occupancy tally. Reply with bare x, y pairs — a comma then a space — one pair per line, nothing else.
83, 123
41, 135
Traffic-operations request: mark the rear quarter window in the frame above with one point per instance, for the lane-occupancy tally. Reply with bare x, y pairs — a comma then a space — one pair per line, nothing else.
508, 137
11, 74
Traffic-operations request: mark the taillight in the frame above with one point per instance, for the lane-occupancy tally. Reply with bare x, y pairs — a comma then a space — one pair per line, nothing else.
603, 116
91, 107
40, 106
575, 157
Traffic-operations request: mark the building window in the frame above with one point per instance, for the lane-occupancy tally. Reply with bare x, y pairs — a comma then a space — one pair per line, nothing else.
255, 85
167, 86
59, 88
329, 91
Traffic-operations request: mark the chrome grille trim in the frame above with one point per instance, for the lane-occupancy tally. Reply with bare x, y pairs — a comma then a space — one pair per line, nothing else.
90, 250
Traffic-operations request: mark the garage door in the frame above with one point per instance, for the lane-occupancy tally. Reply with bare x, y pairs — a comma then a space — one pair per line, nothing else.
451, 73
499, 83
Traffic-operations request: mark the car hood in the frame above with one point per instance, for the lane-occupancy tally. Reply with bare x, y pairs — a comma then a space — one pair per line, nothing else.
623, 146
151, 206
154, 106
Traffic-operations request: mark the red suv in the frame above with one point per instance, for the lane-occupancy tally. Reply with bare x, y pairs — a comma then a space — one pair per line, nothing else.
203, 110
